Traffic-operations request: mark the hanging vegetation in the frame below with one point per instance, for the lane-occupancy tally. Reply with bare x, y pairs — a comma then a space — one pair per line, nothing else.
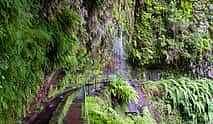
40, 37
33, 42
165, 35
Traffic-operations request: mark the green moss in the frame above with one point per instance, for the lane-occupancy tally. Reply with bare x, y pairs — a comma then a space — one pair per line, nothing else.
35, 39
69, 19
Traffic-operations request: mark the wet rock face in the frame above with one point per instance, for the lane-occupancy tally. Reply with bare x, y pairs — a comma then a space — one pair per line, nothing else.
96, 20
203, 11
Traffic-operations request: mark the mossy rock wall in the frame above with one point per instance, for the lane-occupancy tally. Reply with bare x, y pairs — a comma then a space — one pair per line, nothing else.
173, 35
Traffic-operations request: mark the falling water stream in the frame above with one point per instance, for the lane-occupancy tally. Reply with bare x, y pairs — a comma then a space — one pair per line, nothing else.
120, 64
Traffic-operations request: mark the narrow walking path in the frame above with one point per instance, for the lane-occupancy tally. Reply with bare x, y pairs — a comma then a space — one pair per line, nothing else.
133, 107
142, 100
74, 115
45, 115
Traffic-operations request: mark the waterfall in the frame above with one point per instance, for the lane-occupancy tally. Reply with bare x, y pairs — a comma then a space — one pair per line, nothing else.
119, 60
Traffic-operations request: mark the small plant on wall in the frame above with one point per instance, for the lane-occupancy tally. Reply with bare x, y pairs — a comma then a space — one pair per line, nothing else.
122, 91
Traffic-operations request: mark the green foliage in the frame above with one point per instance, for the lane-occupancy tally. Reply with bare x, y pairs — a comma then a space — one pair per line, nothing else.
146, 119
169, 74
122, 91
211, 59
99, 113
69, 19
164, 112
22, 59
99, 3
191, 98
187, 7
165, 29
31, 42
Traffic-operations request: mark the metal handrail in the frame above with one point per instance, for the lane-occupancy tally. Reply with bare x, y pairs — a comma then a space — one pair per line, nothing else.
86, 114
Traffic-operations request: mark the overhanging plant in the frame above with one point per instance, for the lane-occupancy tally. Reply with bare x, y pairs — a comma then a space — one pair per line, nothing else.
122, 91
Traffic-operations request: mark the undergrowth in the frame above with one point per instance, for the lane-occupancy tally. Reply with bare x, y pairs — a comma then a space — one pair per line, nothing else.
37, 38
100, 113
192, 99
122, 91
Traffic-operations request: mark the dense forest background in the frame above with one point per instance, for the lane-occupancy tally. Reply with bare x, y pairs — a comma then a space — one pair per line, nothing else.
39, 37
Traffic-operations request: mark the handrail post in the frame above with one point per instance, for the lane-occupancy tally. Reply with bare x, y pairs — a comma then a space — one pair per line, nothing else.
85, 104
88, 89
95, 83
84, 97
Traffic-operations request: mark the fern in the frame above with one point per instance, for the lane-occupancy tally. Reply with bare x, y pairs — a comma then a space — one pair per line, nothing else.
190, 97
31, 44
122, 91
